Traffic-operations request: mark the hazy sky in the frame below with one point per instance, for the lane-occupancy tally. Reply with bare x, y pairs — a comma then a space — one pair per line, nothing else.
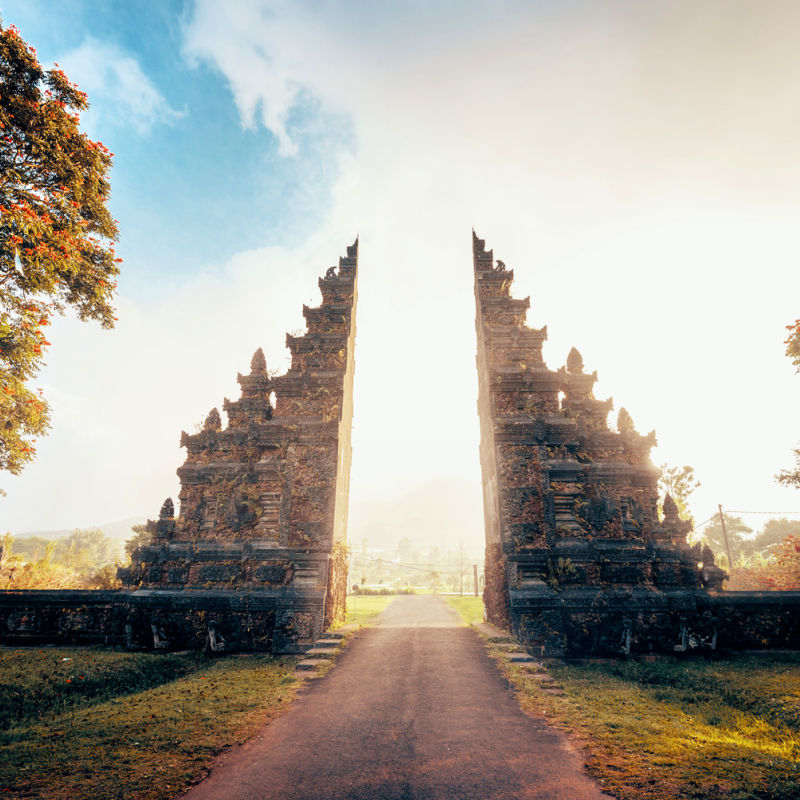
635, 164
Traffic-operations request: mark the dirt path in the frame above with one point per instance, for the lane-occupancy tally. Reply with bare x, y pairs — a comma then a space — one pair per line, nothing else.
414, 710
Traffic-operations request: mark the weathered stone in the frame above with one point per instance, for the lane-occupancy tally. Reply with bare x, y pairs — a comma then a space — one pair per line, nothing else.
264, 501
577, 560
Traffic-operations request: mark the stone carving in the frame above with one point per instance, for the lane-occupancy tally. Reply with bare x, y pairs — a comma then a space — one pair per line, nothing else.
215, 641
625, 422
213, 421
258, 363
167, 509
574, 362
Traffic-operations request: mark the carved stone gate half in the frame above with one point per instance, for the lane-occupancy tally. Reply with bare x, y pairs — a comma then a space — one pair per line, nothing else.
578, 561
263, 503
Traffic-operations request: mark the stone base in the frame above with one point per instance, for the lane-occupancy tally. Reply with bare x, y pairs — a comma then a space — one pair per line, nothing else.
161, 620
617, 622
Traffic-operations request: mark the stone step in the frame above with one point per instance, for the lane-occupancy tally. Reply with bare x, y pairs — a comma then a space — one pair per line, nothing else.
520, 658
542, 677
506, 645
328, 643
323, 652
340, 633
308, 664
538, 667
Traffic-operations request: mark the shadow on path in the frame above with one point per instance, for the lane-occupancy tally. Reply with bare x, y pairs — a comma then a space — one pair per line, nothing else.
414, 709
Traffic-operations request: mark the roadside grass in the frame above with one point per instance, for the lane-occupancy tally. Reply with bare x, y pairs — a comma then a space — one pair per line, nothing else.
679, 729
362, 608
136, 726
469, 606
35, 684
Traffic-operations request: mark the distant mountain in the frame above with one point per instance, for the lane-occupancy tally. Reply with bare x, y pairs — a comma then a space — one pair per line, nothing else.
445, 512
119, 529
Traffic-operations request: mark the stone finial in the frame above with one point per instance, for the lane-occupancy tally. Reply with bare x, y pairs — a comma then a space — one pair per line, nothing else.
167, 509
258, 363
501, 265
575, 361
670, 507
624, 422
213, 421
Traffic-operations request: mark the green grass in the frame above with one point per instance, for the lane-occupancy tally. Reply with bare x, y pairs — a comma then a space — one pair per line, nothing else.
136, 726
36, 683
469, 606
650, 731
362, 608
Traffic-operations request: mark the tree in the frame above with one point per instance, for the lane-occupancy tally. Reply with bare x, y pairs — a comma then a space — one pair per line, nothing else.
791, 477
774, 532
85, 559
86, 551
679, 483
56, 234
713, 536
788, 558
792, 343
142, 535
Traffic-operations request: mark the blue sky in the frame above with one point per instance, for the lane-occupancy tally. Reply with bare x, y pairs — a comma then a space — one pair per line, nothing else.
635, 163
191, 183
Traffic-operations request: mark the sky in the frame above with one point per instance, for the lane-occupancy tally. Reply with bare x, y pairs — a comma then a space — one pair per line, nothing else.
634, 163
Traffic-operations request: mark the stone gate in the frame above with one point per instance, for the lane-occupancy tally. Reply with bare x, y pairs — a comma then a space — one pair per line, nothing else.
578, 559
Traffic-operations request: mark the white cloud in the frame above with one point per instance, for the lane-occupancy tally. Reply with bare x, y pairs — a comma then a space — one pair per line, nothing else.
634, 163
120, 92
121, 398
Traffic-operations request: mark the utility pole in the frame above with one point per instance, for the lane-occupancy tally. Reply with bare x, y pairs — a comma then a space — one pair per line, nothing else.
475, 577
725, 536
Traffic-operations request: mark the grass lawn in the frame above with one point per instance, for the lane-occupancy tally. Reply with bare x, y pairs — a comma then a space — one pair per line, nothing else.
87, 723
692, 729
91, 723
362, 608
469, 606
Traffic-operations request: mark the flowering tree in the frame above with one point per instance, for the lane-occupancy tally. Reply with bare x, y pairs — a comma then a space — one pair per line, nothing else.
56, 234
792, 343
791, 477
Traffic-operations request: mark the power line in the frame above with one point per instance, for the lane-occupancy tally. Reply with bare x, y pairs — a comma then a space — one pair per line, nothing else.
739, 511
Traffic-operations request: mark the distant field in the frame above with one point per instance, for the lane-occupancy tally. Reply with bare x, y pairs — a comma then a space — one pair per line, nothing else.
657, 731
362, 608
94, 724
469, 606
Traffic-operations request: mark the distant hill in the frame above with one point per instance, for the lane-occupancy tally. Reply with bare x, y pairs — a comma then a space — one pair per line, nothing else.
445, 512
119, 529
